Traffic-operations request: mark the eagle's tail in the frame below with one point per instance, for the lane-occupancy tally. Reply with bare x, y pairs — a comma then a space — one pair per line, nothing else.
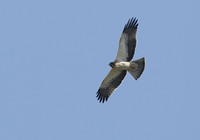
138, 68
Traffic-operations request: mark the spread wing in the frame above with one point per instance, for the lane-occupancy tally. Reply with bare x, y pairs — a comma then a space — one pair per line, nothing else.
109, 84
127, 41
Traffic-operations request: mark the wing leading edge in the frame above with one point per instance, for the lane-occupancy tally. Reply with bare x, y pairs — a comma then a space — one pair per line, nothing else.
109, 84
128, 41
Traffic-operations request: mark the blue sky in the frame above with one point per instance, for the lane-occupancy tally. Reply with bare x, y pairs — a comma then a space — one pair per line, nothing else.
55, 54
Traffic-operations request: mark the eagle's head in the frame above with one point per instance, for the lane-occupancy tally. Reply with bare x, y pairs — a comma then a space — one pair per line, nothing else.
112, 64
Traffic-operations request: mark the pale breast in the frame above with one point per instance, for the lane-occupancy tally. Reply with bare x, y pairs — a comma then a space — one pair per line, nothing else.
122, 65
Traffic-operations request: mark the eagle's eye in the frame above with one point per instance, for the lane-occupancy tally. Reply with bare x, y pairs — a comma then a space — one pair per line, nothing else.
125, 35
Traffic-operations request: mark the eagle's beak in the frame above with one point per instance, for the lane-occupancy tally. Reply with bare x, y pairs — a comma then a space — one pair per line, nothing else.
112, 64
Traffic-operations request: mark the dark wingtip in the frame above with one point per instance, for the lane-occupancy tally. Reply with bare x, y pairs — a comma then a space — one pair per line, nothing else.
101, 98
132, 23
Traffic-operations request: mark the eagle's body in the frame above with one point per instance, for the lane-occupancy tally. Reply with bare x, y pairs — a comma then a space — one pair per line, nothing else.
120, 65
123, 62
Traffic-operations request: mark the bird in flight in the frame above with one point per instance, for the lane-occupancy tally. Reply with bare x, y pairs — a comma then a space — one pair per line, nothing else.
123, 62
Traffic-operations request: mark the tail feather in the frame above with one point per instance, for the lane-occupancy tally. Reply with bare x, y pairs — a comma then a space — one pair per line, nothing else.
139, 66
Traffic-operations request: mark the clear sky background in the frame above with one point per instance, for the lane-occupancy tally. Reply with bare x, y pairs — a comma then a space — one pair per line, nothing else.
55, 54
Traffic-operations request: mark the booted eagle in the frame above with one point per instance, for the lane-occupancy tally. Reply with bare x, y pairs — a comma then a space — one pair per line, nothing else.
123, 62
